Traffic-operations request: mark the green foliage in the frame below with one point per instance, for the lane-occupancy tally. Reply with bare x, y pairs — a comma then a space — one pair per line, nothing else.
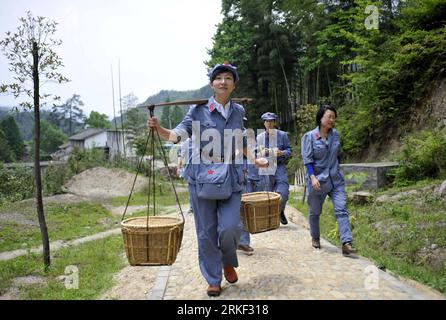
166, 120
135, 122
177, 115
12, 133
293, 165
81, 160
54, 177
65, 221
16, 184
357, 179
98, 120
306, 118
51, 137
422, 156
255, 36
6, 155
96, 261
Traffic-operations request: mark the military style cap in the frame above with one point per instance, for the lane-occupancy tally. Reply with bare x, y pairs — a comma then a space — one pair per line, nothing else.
225, 66
269, 116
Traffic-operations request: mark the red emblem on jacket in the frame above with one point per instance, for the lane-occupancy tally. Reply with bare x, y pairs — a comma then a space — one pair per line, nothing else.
317, 135
211, 171
211, 107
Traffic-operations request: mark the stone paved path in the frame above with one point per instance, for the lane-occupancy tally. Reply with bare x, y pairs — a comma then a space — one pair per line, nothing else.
285, 266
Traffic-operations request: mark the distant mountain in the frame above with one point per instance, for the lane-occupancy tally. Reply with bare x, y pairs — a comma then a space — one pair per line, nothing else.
171, 95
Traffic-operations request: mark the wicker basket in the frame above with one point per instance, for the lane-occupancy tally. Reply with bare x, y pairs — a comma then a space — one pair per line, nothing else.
260, 211
157, 244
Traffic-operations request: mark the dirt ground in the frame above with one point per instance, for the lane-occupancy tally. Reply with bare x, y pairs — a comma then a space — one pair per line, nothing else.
104, 183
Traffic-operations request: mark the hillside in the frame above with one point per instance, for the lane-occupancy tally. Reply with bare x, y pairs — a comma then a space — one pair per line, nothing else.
173, 95
428, 113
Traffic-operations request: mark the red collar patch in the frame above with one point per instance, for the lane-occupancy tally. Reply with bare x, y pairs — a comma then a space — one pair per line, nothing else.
317, 135
211, 171
211, 107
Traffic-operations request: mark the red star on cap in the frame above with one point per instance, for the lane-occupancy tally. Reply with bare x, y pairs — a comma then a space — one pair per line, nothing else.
211, 171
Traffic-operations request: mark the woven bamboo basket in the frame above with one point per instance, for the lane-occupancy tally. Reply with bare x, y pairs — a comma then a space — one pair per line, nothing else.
260, 211
155, 243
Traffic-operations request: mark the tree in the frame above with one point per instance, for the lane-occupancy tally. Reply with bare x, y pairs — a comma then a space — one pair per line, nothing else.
51, 136
166, 119
176, 115
31, 58
135, 122
255, 36
12, 133
6, 155
98, 120
129, 101
71, 116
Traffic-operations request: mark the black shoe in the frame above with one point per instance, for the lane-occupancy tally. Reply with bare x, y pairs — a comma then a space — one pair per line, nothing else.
247, 249
213, 291
347, 249
283, 219
316, 243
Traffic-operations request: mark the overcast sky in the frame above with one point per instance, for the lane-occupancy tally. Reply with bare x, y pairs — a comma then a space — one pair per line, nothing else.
161, 44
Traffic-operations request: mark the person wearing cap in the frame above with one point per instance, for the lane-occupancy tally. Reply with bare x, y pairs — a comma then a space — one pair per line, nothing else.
215, 182
275, 145
320, 151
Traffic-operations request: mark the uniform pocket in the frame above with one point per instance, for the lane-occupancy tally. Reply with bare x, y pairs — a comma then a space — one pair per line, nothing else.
326, 186
214, 181
320, 151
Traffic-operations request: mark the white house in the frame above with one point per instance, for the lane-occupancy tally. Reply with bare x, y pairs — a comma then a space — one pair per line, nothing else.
113, 142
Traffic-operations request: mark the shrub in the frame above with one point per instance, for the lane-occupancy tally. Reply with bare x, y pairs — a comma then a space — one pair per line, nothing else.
55, 176
306, 118
17, 183
422, 156
81, 160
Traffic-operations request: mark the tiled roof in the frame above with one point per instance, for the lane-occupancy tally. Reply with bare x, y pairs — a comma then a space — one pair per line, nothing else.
85, 134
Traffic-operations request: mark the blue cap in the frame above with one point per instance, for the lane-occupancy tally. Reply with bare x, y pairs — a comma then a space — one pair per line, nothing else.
268, 116
224, 66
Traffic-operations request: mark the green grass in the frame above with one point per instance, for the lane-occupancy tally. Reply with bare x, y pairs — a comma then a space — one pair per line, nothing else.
405, 237
95, 261
65, 222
